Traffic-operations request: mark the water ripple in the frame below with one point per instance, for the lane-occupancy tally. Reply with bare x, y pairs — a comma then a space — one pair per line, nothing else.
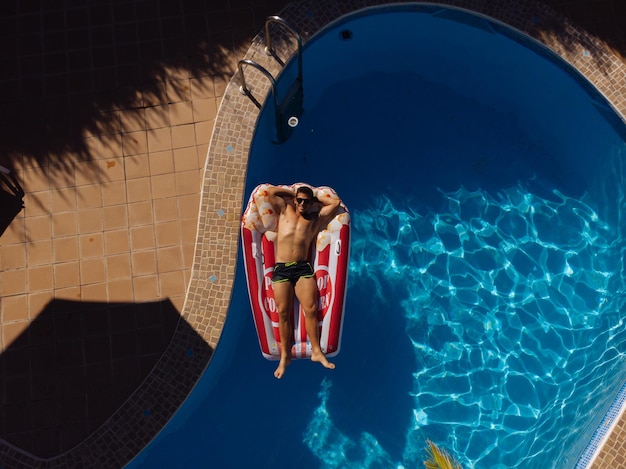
509, 303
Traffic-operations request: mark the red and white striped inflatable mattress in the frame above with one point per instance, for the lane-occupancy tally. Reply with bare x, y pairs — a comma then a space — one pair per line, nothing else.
329, 258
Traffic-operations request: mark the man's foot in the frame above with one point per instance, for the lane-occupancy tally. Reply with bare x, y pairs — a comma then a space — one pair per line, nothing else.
282, 366
321, 358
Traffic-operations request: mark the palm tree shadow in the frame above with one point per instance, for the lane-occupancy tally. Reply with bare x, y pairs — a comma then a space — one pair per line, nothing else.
78, 363
87, 70
11, 198
602, 20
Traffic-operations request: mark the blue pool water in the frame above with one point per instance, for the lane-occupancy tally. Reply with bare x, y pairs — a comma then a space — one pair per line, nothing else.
486, 289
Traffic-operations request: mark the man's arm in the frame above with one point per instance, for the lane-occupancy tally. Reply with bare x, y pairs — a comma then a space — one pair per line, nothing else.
276, 196
330, 205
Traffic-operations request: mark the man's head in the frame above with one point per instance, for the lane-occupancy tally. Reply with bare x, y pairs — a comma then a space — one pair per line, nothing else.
304, 199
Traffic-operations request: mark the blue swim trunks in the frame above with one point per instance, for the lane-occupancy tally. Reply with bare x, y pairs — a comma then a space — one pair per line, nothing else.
292, 271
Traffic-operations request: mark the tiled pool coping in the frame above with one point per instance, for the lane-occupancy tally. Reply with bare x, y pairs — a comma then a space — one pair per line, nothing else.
600, 436
150, 407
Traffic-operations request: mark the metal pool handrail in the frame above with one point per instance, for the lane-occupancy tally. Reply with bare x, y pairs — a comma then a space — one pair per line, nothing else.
290, 109
268, 41
244, 88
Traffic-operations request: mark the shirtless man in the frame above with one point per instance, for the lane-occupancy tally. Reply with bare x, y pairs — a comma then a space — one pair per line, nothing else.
301, 217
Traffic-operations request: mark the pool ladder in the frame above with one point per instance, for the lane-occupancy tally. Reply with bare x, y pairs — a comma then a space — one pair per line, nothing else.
290, 109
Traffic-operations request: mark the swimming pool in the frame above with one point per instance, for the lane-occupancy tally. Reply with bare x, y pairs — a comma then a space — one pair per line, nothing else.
486, 272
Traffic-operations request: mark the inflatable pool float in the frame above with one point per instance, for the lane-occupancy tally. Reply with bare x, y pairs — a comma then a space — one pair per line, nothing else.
329, 258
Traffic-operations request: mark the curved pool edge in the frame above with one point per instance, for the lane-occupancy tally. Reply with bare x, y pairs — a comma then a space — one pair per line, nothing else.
158, 397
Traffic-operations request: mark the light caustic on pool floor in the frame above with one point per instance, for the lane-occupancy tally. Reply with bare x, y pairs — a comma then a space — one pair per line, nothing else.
512, 306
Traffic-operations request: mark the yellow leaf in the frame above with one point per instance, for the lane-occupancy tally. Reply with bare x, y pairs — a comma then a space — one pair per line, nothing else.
439, 458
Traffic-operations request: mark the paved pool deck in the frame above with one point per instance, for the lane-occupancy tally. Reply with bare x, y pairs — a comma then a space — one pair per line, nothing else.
117, 263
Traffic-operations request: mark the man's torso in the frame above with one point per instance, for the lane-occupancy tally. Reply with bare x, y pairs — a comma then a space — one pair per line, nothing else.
295, 235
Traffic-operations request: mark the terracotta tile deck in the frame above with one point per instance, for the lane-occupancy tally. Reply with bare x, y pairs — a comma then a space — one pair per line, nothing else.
115, 275
107, 114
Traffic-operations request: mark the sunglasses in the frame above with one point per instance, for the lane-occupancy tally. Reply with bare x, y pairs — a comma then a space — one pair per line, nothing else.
303, 201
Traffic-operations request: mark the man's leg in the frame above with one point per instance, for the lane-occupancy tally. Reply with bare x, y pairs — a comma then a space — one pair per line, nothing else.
306, 292
283, 295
